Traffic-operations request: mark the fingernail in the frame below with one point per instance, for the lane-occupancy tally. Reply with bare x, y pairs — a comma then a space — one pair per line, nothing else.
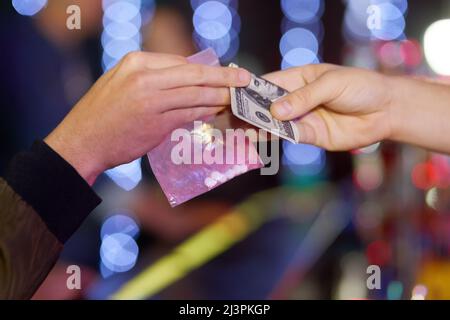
244, 76
283, 109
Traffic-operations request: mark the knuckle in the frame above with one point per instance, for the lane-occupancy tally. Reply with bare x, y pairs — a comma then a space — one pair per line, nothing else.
132, 58
301, 97
308, 72
168, 59
197, 72
138, 80
229, 75
178, 59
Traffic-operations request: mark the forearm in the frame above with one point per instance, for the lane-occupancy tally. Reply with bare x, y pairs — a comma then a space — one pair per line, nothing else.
420, 113
28, 250
43, 201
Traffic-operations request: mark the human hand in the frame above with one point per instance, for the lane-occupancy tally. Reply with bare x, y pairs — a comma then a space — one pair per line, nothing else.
131, 108
338, 108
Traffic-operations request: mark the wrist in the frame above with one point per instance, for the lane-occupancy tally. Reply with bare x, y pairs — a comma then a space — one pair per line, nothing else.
395, 107
74, 153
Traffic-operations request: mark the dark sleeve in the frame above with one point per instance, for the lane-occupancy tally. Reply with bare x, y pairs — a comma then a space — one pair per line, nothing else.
43, 201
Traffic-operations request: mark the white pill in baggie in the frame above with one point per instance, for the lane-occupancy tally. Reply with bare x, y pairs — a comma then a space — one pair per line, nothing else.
216, 175
210, 183
240, 168
230, 174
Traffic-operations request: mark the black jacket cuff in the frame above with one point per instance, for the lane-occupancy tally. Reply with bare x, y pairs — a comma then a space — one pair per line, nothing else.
54, 189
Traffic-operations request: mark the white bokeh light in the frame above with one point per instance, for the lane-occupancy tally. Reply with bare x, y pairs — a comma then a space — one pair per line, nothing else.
437, 46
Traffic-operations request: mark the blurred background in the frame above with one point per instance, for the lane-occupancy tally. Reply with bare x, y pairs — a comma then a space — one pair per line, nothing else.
309, 232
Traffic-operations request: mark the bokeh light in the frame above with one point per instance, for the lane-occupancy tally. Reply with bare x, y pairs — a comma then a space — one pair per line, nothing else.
390, 54
298, 38
302, 11
122, 22
119, 252
217, 25
298, 57
378, 253
28, 7
437, 48
392, 23
316, 27
212, 20
395, 290
303, 159
367, 20
411, 52
119, 223
299, 46
419, 292
301, 26
424, 175
370, 149
127, 176
431, 198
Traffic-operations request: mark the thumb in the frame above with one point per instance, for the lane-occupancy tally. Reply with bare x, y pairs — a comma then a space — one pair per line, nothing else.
305, 99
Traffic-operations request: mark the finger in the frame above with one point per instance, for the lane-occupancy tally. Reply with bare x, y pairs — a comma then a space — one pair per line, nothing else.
294, 78
183, 116
306, 132
320, 128
200, 75
298, 103
196, 96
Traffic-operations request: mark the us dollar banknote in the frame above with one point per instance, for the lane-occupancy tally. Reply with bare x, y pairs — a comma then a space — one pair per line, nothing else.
252, 104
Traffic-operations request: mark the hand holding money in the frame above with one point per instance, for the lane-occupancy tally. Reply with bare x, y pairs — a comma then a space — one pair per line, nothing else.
343, 108
135, 105
252, 105
336, 108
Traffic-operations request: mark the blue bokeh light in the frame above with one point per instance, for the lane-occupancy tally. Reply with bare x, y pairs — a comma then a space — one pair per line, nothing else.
119, 223
392, 22
402, 5
301, 154
232, 50
303, 159
122, 11
122, 21
119, 252
355, 28
302, 11
229, 3
137, 3
121, 30
298, 57
217, 25
316, 27
28, 7
212, 20
126, 176
300, 45
116, 48
220, 46
298, 38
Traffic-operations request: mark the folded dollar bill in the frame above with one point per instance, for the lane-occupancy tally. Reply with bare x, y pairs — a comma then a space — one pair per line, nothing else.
252, 105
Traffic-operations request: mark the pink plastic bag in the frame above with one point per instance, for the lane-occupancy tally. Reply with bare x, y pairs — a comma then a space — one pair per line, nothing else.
182, 176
